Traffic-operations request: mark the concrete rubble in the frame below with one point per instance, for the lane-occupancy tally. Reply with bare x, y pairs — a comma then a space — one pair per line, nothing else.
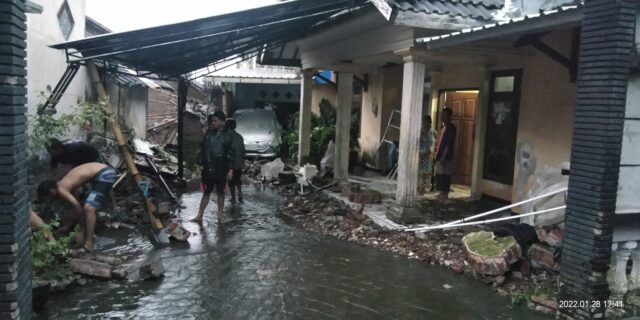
151, 269
99, 266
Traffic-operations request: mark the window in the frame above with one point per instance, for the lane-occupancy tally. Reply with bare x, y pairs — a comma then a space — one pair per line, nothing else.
65, 20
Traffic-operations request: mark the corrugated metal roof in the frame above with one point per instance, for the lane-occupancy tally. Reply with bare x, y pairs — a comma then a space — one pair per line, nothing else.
476, 9
498, 25
177, 49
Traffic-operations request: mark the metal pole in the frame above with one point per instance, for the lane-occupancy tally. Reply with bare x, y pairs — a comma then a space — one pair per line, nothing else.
183, 91
122, 144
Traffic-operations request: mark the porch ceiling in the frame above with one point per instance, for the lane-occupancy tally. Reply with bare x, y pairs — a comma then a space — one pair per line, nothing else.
170, 51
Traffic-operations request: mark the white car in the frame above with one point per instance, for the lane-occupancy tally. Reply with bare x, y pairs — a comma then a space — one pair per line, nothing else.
261, 131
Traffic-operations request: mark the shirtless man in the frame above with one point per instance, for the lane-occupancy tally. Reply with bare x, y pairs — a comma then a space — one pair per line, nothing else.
101, 177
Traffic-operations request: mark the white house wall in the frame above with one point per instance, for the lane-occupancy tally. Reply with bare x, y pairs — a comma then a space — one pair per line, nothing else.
629, 183
371, 127
45, 66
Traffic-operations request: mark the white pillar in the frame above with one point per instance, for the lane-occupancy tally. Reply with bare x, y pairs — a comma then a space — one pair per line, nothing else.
617, 277
343, 126
634, 277
410, 125
304, 132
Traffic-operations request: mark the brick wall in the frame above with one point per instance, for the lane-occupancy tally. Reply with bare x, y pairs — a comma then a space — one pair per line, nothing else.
15, 255
607, 39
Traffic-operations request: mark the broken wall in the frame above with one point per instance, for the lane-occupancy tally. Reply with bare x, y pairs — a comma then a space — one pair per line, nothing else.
130, 106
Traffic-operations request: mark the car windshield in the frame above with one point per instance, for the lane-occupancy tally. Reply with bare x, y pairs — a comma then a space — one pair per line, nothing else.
256, 120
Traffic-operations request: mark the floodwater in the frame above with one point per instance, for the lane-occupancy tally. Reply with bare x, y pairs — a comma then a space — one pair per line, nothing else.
257, 266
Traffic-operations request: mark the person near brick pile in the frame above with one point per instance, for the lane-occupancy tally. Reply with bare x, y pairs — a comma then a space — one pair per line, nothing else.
238, 164
218, 159
443, 155
101, 177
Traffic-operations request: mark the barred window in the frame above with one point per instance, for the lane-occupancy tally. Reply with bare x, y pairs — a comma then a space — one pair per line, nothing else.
65, 20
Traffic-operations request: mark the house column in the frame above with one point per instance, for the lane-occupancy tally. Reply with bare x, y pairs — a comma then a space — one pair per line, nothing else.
410, 124
15, 252
480, 132
304, 132
595, 154
343, 126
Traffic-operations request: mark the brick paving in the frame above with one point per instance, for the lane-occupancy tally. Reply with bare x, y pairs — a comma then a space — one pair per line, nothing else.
260, 267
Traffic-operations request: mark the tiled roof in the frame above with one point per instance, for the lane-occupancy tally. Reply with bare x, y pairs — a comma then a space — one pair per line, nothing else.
475, 9
503, 24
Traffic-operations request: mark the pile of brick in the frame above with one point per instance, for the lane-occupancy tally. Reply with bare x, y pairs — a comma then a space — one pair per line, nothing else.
545, 254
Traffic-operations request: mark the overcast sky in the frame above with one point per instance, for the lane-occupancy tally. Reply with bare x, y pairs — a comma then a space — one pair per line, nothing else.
123, 15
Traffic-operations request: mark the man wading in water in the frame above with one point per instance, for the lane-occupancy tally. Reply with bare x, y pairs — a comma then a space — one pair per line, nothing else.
217, 163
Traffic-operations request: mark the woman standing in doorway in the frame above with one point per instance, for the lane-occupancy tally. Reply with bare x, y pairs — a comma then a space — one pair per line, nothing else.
427, 142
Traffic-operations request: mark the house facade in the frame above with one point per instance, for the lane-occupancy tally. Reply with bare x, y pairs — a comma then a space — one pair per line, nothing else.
382, 45
57, 21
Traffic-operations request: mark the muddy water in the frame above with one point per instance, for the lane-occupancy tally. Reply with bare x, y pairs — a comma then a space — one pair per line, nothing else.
257, 266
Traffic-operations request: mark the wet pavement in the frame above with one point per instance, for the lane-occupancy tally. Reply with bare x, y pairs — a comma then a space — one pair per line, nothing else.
257, 266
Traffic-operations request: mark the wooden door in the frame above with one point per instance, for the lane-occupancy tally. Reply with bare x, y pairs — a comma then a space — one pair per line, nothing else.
464, 107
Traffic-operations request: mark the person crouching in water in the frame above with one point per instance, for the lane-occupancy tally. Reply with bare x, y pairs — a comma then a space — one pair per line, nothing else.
217, 163
238, 163
101, 177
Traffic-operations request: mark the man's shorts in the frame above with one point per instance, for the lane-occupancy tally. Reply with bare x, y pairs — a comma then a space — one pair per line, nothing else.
210, 184
100, 187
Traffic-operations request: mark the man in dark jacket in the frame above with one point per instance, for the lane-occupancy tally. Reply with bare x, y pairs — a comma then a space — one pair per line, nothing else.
238, 164
217, 163
71, 154
444, 154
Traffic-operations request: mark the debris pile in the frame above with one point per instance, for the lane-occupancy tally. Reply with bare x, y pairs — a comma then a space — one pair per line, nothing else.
319, 213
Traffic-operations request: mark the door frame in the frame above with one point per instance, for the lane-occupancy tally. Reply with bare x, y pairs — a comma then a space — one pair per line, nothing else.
435, 114
518, 74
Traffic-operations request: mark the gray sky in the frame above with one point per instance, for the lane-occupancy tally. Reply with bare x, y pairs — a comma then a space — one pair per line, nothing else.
123, 15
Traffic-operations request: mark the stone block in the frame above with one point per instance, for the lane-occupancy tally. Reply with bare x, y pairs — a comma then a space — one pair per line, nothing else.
545, 302
152, 269
365, 197
120, 273
554, 237
542, 255
91, 268
177, 231
488, 256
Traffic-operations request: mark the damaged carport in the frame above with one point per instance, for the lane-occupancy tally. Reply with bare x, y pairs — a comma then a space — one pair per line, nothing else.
186, 51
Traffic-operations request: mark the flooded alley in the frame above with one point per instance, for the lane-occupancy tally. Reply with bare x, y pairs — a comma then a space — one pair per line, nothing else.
257, 266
